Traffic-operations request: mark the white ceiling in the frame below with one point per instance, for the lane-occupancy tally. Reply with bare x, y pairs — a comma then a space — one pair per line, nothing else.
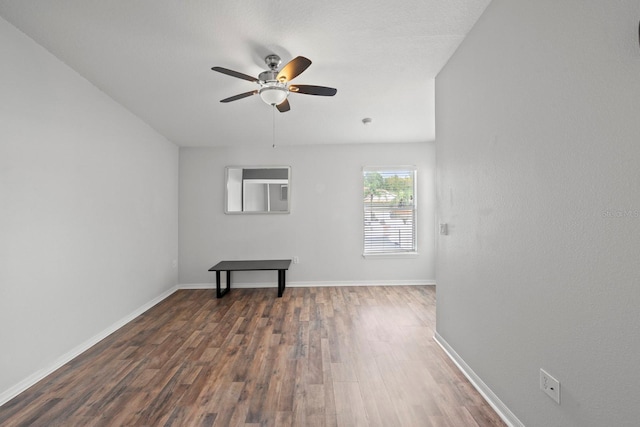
155, 58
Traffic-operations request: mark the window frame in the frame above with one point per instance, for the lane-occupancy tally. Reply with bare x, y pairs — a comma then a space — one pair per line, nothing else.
391, 253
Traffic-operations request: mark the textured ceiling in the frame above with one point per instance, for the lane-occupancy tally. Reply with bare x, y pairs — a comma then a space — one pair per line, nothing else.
155, 58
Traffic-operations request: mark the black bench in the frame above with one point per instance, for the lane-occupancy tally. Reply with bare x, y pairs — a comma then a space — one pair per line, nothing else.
282, 265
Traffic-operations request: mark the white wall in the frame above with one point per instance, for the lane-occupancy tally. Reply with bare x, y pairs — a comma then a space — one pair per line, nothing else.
324, 228
88, 210
538, 154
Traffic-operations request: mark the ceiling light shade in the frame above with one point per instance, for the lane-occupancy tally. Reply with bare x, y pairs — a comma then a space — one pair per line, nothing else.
273, 95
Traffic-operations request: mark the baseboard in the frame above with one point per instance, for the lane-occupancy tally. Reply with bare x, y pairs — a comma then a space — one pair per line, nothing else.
361, 283
501, 409
324, 284
32, 379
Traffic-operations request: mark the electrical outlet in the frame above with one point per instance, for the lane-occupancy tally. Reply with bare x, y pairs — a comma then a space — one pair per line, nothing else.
296, 260
550, 385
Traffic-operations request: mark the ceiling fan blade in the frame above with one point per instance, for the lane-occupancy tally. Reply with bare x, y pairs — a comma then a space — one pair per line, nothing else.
313, 90
234, 74
284, 106
242, 95
294, 68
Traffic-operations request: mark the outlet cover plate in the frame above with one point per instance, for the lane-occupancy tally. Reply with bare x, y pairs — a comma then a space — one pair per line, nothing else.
550, 385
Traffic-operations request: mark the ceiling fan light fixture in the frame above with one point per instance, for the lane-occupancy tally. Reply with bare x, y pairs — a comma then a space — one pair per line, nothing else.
273, 95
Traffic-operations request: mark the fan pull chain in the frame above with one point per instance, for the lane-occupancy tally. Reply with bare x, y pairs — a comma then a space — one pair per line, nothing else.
273, 111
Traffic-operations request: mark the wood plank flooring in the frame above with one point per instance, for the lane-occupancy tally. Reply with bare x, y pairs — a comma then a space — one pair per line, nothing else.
348, 356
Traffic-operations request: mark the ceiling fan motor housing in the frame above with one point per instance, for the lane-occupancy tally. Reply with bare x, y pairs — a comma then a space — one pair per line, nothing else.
268, 76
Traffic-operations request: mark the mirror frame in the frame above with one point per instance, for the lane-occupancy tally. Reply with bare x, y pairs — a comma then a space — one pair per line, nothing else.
241, 212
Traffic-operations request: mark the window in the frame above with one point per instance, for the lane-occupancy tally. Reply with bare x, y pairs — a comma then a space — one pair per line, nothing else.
389, 210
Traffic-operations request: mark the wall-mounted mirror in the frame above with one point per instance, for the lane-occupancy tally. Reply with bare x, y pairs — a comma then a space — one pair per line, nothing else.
257, 189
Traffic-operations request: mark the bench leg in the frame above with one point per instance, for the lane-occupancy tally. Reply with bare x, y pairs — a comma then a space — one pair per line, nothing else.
281, 282
219, 292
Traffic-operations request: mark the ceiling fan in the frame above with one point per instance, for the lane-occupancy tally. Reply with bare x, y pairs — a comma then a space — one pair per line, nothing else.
274, 84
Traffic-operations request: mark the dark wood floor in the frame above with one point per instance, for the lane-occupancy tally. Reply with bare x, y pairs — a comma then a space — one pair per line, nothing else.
351, 356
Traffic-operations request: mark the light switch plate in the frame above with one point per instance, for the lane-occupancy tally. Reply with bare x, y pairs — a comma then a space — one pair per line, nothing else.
444, 229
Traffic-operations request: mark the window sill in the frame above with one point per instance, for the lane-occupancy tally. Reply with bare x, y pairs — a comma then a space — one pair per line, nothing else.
393, 255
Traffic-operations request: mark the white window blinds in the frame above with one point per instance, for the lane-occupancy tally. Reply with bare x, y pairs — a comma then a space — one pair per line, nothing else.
389, 210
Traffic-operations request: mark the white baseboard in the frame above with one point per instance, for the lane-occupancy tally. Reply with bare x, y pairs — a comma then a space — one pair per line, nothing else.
362, 283
255, 285
501, 409
32, 379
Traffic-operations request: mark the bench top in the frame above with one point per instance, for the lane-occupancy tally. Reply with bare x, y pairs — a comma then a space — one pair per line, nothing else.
268, 264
